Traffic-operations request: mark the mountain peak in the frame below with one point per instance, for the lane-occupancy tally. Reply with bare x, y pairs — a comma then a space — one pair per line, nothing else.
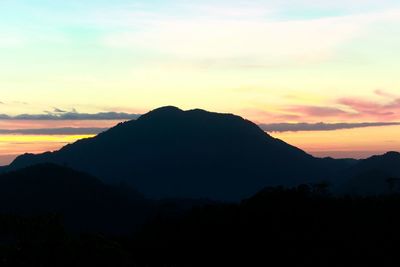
166, 109
164, 112
392, 154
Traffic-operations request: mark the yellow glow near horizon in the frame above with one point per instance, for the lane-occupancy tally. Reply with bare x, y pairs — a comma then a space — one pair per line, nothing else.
13, 138
8, 140
14, 145
358, 143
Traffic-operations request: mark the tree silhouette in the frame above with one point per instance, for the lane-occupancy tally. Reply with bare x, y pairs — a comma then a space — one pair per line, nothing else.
392, 184
321, 188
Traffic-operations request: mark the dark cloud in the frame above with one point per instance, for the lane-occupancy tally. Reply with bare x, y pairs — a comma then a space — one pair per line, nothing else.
55, 131
57, 110
4, 117
296, 127
72, 116
274, 127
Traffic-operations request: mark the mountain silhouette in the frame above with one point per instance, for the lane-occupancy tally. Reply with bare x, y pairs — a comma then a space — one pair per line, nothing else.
173, 153
376, 175
84, 202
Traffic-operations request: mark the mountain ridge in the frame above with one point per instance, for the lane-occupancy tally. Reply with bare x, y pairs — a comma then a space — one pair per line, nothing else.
171, 153
371, 176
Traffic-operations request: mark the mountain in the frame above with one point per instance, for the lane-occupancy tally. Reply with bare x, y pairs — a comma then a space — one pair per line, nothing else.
83, 201
376, 175
171, 153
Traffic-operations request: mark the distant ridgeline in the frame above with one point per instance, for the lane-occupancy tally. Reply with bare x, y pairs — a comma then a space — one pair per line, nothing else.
170, 153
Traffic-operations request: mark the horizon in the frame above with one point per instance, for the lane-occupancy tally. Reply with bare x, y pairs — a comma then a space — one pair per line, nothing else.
37, 139
322, 75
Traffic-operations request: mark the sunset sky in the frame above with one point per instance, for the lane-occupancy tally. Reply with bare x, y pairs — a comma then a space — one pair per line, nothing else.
90, 64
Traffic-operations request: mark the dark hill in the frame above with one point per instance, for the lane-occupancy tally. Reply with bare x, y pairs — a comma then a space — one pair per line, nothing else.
373, 176
85, 203
389, 162
197, 154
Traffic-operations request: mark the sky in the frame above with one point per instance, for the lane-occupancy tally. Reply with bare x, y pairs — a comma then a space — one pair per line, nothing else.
90, 64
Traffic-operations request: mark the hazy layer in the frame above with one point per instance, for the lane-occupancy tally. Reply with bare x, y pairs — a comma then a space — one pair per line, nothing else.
355, 143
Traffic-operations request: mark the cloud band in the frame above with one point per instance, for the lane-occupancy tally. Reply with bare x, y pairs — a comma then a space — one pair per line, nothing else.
297, 127
72, 116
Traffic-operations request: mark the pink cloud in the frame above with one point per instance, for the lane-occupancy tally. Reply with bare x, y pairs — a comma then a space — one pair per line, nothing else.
394, 104
386, 108
366, 108
359, 105
317, 111
262, 116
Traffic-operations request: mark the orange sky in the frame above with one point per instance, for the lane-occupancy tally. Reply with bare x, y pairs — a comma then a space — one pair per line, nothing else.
357, 143
13, 145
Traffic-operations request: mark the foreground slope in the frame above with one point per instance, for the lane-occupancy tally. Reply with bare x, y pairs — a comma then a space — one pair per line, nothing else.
84, 202
198, 154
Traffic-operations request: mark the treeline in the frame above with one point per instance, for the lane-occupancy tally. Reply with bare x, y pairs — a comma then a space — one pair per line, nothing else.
302, 226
